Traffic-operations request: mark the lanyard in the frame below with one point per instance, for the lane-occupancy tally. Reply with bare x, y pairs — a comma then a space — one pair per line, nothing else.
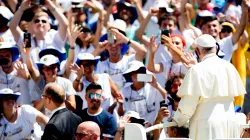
139, 95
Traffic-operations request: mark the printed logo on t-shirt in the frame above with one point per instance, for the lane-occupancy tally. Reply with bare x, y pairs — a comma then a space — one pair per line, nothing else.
15, 131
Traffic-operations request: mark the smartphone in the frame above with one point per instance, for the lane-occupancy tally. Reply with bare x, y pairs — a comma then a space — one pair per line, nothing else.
163, 104
164, 32
111, 38
77, 8
37, 2
144, 78
27, 39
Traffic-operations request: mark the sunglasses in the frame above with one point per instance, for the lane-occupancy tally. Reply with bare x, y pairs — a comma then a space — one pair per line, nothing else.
9, 97
93, 95
86, 64
38, 21
51, 67
228, 30
80, 135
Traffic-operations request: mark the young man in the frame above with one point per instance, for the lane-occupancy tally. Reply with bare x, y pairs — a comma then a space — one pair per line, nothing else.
13, 74
95, 113
63, 123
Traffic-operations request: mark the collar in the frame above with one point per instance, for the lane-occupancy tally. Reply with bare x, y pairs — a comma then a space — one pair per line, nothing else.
55, 110
207, 56
94, 114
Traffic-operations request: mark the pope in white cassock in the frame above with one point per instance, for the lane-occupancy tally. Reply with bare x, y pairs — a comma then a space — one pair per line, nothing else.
207, 95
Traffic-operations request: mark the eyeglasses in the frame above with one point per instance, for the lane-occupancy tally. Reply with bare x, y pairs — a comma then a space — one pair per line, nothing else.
9, 97
225, 29
51, 67
93, 95
38, 21
80, 135
45, 96
86, 64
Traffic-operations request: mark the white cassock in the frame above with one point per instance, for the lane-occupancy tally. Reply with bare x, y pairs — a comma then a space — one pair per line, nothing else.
207, 99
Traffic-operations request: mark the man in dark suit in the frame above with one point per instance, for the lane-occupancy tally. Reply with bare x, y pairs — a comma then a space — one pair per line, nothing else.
63, 123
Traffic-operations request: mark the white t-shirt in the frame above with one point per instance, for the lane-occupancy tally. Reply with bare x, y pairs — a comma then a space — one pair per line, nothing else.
52, 38
145, 101
115, 70
103, 80
25, 127
227, 46
39, 86
8, 37
16, 84
171, 69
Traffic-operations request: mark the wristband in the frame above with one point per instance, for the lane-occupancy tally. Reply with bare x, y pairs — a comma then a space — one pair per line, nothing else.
78, 81
129, 42
53, 9
119, 131
191, 48
72, 48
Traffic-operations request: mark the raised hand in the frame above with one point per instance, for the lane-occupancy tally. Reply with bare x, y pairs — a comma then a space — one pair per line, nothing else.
120, 98
122, 122
20, 70
120, 38
74, 33
191, 60
25, 50
162, 113
25, 5
153, 11
152, 46
154, 82
78, 70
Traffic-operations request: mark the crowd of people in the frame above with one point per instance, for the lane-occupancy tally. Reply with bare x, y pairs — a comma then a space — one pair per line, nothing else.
83, 69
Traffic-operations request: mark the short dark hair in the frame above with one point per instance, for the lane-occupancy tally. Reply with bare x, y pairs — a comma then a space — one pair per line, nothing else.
56, 97
167, 17
93, 86
181, 131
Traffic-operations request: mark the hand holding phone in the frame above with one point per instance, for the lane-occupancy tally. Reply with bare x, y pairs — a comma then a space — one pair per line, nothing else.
144, 78
111, 37
27, 40
164, 32
163, 104
37, 2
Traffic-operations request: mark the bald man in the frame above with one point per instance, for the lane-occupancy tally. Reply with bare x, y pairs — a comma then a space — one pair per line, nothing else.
88, 131
63, 123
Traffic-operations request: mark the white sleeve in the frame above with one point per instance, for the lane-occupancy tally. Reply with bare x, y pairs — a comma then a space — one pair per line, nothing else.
166, 66
69, 88
58, 42
131, 58
29, 113
186, 109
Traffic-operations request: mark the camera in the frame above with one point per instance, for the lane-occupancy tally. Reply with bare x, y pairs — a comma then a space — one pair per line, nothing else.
37, 2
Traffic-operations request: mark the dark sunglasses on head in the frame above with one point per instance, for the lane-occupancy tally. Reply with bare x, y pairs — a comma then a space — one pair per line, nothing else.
93, 95
86, 64
38, 21
51, 67
225, 29
9, 97
80, 135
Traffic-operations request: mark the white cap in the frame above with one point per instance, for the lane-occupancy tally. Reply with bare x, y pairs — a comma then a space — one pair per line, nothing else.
206, 13
133, 114
119, 24
48, 60
5, 12
87, 56
205, 41
134, 66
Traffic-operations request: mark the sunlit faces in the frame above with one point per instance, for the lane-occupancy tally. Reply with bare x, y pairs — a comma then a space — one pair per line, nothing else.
50, 71
168, 24
213, 28
226, 31
114, 50
47, 100
177, 42
85, 36
9, 101
5, 57
88, 66
125, 13
94, 98
41, 25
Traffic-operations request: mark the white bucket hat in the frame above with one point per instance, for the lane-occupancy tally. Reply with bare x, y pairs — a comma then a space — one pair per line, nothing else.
133, 66
6, 13
48, 60
206, 13
7, 91
88, 57
120, 25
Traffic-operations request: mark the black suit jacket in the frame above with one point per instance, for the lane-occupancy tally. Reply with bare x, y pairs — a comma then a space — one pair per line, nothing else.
61, 126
